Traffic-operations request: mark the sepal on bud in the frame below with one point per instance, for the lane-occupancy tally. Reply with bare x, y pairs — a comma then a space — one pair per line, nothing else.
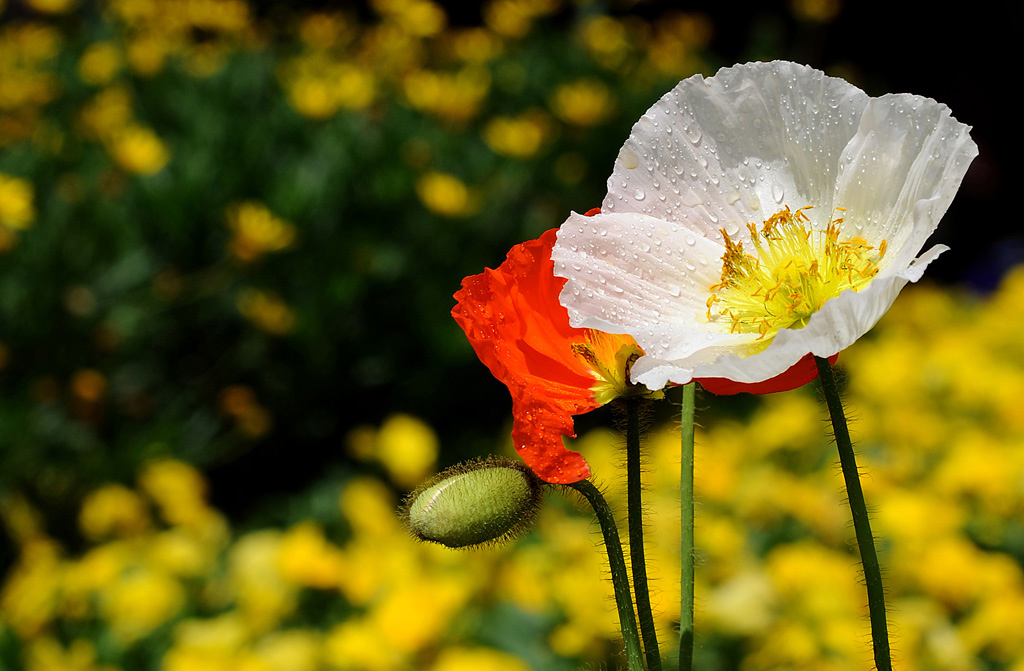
480, 502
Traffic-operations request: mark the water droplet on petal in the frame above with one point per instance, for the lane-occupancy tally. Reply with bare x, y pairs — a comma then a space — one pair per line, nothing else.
692, 132
778, 192
639, 193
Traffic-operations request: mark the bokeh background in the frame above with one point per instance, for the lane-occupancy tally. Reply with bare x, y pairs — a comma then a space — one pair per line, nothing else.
229, 235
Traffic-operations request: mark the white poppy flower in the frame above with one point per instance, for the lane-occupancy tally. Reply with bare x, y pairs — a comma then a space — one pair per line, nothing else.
760, 215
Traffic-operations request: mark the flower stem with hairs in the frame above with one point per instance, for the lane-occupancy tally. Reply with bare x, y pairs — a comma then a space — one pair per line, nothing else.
620, 577
637, 557
861, 525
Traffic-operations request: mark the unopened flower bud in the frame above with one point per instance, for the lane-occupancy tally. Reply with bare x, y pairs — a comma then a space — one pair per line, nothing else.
480, 502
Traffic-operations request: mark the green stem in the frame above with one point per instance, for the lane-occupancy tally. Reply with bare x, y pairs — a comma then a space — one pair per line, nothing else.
861, 525
637, 559
620, 578
686, 529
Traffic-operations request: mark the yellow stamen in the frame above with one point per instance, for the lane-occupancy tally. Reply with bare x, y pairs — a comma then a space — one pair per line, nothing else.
794, 271
610, 358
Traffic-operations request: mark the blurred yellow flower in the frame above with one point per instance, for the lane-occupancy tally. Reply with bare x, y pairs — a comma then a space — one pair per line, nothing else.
21, 520
454, 96
742, 604
139, 601
518, 137
470, 44
607, 40
211, 645
52, 6
47, 654
317, 86
417, 610
147, 52
369, 506
586, 102
100, 63
323, 30
477, 659
290, 650
421, 18
262, 595
27, 77
266, 311
179, 490
137, 149
113, 510
514, 18
408, 449
446, 195
93, 571
257, 231
674, 50
180, 552
28, 600
17, 210
359, 645
306, 558
108, 111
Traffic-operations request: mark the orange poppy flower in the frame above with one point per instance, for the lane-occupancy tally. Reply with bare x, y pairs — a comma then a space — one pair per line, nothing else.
519, 330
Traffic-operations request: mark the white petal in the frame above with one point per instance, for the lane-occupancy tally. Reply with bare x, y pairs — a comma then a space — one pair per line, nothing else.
631, 273
900, 172
633, 267
734, 148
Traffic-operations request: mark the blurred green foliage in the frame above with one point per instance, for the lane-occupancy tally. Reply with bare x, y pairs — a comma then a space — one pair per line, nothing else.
376, 161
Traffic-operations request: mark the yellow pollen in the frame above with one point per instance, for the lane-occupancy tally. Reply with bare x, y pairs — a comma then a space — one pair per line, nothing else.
794, 271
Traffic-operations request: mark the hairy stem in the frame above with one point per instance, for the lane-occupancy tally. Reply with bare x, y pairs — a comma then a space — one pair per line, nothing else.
637, 558
861, 525
620, 577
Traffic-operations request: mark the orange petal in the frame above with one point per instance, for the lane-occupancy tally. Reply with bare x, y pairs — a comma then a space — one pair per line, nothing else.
520, 331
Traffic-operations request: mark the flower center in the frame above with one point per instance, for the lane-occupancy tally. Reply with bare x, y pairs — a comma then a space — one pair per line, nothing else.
609, 358
793, 273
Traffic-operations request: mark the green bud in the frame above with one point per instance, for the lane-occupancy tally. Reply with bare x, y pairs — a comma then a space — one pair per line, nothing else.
479, 502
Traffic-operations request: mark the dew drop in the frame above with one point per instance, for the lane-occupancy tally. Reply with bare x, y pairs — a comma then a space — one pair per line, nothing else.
693, 133
639, 193
778, 192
